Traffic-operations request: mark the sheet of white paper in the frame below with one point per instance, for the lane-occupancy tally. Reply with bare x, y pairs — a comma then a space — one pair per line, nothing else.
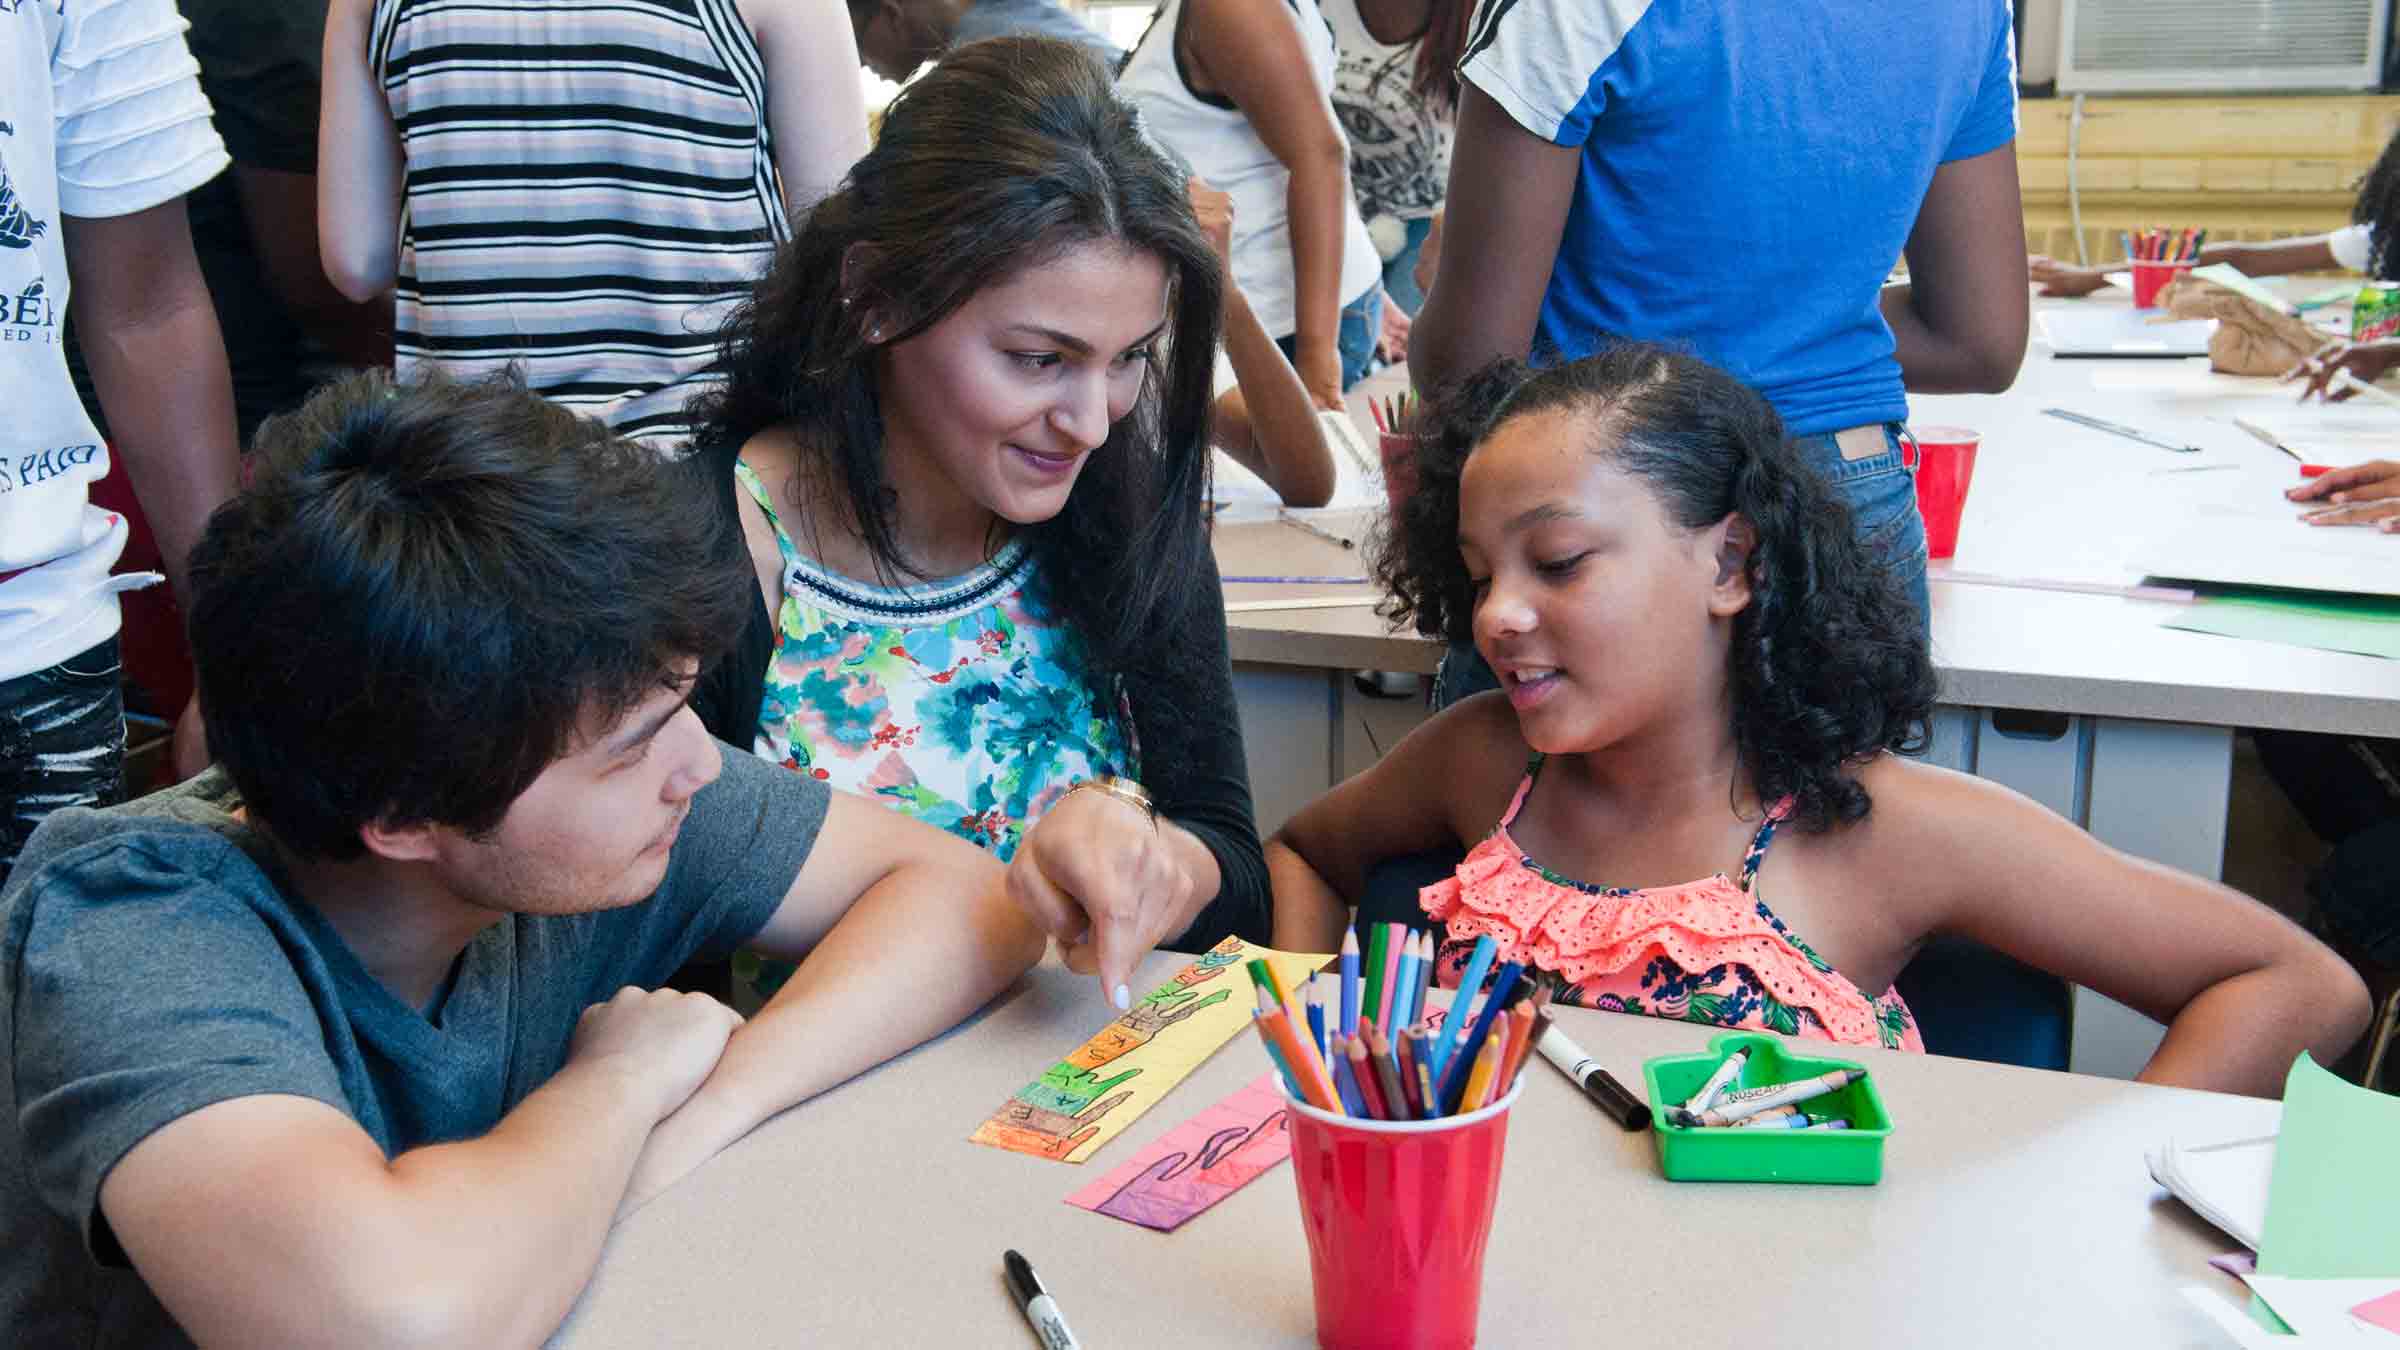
2236, 1324
2225, 1183
2122, 332
2320, 1309
2236, 528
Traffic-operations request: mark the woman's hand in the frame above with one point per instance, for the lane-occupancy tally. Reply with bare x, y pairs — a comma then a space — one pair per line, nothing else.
1319, 362
2363, 494
2365, 360
2058, 278
1392, 343
1107, 883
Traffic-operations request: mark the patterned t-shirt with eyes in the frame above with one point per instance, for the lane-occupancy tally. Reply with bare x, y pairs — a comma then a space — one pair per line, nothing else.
957, 702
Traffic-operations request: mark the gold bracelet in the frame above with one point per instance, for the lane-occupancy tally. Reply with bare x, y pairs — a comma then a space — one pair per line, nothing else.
1123, 789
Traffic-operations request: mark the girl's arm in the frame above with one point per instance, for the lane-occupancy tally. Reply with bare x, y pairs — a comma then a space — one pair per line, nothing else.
1443, 783
1268, 421
1249, 51
814, 107
2242, 989
2312, 253
359, 162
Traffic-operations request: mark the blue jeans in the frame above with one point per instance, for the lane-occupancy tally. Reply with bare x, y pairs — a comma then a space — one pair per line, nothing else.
1362, 323
1400, 270
62, 743
1881, 491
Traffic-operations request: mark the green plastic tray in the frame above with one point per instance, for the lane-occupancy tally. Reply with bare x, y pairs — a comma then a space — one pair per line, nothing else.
1852, 1157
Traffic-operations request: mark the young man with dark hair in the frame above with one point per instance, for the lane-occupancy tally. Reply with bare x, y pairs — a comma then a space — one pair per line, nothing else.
347, 1041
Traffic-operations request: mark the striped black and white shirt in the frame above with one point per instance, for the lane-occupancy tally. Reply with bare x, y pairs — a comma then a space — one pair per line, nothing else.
590, 184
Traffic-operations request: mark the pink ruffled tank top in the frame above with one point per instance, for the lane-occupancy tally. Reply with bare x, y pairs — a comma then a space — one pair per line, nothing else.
1706, 951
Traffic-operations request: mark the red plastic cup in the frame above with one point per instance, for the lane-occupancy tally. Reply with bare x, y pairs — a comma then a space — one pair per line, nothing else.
2149, 278
1397, 1213
1399, 451
1945, 466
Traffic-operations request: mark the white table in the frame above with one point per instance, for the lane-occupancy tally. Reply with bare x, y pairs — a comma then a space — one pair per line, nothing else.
2080, 701
2014, 1211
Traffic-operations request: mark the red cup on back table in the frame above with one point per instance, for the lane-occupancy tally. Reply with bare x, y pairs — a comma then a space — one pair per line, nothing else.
1397, 1214
2150, 277
1945, 465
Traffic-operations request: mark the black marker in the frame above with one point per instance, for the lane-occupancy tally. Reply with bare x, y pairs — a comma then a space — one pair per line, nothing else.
1630, 1112
1040, 1308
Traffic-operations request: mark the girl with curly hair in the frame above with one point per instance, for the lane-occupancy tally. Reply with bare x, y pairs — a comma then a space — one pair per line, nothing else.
1705, 674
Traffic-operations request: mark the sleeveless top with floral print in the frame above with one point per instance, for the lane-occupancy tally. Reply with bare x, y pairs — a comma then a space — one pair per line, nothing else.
1706, 951
955, 702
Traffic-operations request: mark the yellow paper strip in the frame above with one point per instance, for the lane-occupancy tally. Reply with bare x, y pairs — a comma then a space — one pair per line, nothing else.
1088, 1098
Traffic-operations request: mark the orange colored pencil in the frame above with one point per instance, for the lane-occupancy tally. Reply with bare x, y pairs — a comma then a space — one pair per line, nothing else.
1520, 1044
1479, 1076
1314, 1084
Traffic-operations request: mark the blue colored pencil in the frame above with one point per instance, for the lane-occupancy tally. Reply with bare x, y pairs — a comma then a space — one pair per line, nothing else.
1349, 967
1454, 1071
1316, 1015
1346, 1085
1470, 981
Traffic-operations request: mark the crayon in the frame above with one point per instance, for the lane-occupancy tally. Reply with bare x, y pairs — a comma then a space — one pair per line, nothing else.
1706, 1097
1743, 1103
1348, 1022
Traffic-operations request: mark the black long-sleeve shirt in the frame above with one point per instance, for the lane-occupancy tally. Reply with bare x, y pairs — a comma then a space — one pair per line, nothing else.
1183, 718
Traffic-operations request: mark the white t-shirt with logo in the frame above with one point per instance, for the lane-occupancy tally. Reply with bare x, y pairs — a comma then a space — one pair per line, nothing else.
100, 115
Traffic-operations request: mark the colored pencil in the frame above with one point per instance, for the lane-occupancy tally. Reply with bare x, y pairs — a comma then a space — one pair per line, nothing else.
1395, 938
1348, 1022
1363, 1074
1307, 1072
1456, 1069
1316, 1015
1479, 1079
1291, 1081
1346, 1086
1427, 950
1387, 1076
1425, 1091
1263, 975
1372, 973
1479, 961
1405, 1051
1520, 1044
1404, 983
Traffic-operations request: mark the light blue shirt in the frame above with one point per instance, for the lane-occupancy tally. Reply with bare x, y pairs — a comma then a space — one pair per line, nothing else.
1750, 172
1033, 18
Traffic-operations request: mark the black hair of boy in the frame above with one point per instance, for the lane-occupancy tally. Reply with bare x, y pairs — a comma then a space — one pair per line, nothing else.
1827, 663
421, 601
1020, 150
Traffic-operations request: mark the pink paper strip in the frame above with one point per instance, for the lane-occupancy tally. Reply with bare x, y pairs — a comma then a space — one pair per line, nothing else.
2382, 1312
1196, 1164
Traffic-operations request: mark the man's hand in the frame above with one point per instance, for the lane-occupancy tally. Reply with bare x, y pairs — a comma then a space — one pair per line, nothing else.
663, 1039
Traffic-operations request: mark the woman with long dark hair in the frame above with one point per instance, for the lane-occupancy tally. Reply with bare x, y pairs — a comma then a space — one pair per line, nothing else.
963, 427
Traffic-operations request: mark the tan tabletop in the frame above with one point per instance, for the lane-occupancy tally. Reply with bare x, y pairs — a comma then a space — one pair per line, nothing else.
2014, 1211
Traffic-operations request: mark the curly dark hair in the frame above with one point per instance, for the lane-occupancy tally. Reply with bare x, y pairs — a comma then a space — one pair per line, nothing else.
2378, 208
1827, 665
1007, 152
431, 591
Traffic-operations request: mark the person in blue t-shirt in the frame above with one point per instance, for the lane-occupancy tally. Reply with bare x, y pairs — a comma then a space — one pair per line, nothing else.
1740, 180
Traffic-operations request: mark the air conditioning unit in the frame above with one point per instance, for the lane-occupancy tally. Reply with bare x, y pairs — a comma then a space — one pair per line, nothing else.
2220, 46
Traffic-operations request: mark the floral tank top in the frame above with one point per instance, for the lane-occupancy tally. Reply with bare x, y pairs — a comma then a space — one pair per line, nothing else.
1706, 951
955, 702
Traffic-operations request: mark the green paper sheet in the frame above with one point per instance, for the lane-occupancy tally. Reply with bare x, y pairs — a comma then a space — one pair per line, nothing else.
2333, 623
2335, 1190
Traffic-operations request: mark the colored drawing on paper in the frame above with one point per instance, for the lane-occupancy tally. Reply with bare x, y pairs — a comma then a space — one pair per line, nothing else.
1088, 1098
1197, 1163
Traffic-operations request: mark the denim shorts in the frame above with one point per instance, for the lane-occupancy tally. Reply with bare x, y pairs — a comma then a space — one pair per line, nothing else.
62, 743
1882, 494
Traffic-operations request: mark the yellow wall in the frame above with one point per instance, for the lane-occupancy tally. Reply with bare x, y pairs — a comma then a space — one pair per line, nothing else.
2242, 168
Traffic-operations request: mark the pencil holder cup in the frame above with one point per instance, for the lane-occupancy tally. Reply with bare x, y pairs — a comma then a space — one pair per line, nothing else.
1397, 1214
1399, 452
1848, 1157
2149, 278
1945, 466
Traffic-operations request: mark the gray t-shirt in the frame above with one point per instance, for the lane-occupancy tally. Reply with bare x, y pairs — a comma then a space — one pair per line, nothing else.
152, 963
1033, 18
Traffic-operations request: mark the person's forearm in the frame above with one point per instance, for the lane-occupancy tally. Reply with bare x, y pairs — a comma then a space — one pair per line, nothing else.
1309, 913
1320, 183
2280, 258
161, 376
2241, 1034
1936, 362
1284, 443
502, 1232
904, 965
